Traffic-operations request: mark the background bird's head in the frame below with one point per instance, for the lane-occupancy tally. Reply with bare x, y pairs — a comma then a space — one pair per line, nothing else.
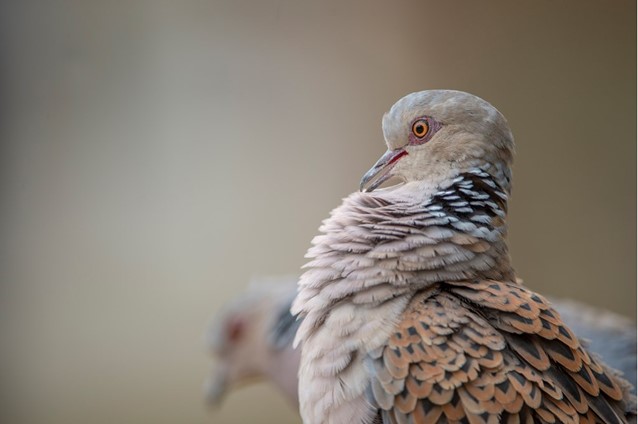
436, 134
236, 340
240, 338
231, 339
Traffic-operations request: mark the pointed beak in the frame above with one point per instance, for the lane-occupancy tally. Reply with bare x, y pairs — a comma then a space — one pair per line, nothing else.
380, 172
215, 387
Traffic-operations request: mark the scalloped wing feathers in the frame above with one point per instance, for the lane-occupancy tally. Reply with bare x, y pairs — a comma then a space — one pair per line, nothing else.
488, 352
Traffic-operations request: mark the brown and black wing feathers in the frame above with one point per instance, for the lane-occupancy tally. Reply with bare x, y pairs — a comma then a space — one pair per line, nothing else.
544, 343
489, 352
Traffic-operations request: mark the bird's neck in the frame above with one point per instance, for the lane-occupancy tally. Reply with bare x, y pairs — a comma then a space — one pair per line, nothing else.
459, 229
408, 238
281, 370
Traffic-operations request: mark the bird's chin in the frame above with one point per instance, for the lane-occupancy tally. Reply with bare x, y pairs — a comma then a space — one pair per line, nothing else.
376, 180
389, 184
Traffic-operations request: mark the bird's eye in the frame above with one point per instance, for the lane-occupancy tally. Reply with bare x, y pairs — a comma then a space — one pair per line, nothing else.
420, 128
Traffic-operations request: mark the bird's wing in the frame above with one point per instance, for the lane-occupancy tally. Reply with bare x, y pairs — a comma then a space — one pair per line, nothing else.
489, 352
286, 324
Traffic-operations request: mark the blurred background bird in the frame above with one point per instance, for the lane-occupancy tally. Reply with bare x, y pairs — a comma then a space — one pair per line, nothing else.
251, 340
155, 155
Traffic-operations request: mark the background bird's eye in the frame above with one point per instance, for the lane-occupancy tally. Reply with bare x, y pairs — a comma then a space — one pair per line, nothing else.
420, 128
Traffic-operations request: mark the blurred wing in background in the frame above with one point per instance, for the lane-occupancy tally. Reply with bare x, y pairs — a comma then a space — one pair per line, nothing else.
605, 333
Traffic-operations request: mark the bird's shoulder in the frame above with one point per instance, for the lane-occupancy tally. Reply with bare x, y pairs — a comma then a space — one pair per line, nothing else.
490, 351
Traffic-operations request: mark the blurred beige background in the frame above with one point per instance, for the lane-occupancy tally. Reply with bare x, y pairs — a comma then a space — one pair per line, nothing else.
157, 154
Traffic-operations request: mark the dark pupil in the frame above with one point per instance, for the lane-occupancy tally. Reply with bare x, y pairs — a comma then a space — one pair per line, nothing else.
419, 129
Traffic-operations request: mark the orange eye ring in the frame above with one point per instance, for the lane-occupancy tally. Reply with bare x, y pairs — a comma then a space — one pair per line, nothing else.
420, 128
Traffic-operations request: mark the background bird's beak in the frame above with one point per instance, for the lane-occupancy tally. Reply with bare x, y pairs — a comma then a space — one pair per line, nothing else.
215, 387
380, 172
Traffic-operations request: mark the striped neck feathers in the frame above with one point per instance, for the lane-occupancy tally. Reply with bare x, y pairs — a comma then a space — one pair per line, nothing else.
379, 245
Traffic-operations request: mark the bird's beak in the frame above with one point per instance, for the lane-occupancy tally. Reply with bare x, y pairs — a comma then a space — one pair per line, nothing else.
215, 387
380, 172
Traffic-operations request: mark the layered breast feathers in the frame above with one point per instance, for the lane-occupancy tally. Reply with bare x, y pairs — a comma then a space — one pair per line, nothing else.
489, 352
371, 249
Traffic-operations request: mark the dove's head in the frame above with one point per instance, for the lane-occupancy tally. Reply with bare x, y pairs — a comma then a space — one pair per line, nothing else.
235, 341
434, 135
243, 343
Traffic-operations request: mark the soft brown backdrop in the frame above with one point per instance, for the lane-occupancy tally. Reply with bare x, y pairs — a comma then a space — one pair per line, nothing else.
157, 154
